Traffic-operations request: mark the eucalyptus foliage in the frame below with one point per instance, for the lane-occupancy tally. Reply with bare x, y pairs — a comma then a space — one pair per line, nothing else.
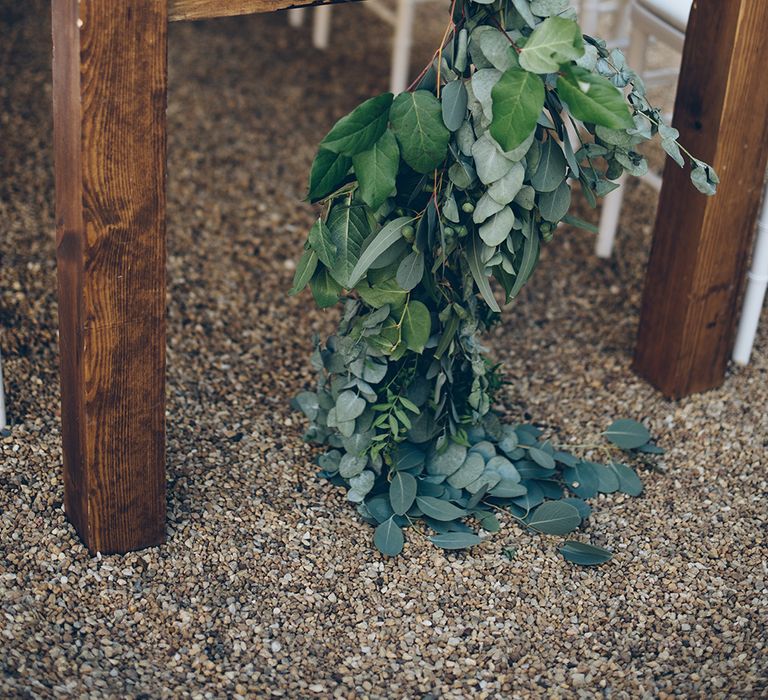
430, 199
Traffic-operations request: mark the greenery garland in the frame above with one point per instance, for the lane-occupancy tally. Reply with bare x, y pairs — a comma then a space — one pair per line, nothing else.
425, 197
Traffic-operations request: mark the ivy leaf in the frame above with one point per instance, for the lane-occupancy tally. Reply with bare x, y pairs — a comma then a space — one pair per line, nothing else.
304, 271
477, 268
388, 538
361, 128
439, 509
584, 554
627, 434
518, 98
554, 42
410, 271
376, 170
402, 492
417, 121
455, 540
453, 100
593, 99
348, 229
417, 326
555, 518
328, 172
384, 239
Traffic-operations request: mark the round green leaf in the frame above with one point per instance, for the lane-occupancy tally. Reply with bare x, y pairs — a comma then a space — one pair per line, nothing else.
555, 518
402, 492
627, 434
417, 121
388, 538
455, 540
584, 554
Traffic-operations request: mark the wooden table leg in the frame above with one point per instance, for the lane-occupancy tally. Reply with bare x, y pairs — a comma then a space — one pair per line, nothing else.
701, 245
109, 67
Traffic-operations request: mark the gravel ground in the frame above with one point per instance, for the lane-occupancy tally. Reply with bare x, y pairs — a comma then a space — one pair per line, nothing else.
269, 584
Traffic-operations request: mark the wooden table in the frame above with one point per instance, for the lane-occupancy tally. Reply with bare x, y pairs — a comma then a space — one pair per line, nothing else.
110, 82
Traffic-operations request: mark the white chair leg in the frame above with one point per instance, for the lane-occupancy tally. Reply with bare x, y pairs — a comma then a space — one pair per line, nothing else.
3, 417
757, 284
401, 46
321, 29
611, 213
296, 16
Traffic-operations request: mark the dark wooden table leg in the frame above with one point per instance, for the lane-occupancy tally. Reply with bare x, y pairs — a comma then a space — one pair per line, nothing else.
701, 245
109, 67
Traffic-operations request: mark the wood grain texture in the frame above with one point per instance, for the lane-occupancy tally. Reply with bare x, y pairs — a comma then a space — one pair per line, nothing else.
201, 9
701, 245
110, 82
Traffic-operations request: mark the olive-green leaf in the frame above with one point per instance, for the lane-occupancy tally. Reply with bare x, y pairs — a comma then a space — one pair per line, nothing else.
388, 538
384, 239
327, 173
555, 518
627, 434
455, 540
554, 205
593, 99
376, 170
402, 492
304, 271
518, 98
348, 228
439, 509
584, 554
554, 42
361, 128
417, 121
417, 326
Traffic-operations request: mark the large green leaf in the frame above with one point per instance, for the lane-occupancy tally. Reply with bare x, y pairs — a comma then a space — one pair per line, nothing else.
361, 128
518, 99
593, 99
439, 509
348, 229
325, 289
304, 271
376, 170
384, 239
627, 434
584, 554
402, 492
554, 42
455, 540
388, 538
321, 242
417, 121
555, 518
328, 171
417, 326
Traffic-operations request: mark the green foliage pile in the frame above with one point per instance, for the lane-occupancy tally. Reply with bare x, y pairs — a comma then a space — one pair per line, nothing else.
427, 197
